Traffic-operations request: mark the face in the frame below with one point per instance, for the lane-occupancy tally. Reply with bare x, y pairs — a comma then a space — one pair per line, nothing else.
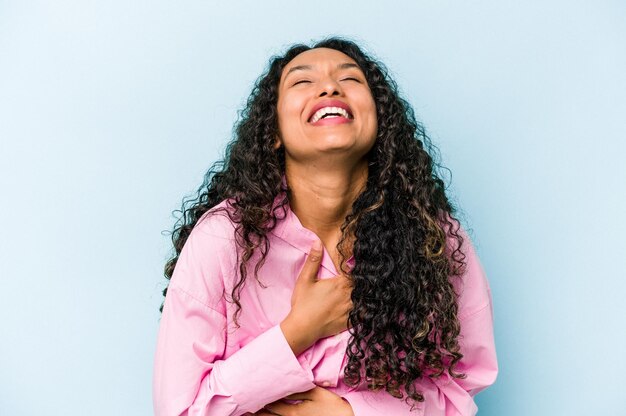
317, 90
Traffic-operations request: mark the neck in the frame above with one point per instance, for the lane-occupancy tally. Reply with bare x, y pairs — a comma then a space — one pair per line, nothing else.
322, 199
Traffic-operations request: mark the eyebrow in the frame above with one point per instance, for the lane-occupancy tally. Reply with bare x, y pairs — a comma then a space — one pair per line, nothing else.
345, 65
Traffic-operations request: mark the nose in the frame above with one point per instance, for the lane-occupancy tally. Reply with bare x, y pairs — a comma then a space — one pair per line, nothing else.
329, 86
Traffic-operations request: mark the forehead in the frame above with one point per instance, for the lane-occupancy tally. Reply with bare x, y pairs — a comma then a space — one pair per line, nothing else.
317, 58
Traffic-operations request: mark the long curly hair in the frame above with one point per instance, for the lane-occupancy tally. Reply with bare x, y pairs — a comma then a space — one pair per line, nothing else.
404, 238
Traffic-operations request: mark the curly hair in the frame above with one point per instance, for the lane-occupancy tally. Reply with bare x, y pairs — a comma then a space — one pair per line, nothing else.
404, 323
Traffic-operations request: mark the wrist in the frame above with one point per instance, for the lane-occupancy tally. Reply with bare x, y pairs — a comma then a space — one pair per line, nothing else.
298, 336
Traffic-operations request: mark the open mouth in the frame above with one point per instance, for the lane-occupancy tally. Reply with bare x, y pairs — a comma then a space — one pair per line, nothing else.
330, 109
329, 112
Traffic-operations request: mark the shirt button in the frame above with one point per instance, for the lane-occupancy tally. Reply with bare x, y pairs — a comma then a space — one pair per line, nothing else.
325, 383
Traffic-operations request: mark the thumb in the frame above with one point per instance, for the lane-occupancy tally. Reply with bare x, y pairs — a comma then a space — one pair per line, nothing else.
312, 264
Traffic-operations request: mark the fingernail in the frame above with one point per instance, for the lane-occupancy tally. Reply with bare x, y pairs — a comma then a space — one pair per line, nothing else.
317, 245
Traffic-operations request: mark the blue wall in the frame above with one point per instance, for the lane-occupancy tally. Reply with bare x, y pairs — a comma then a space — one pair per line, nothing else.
111, 111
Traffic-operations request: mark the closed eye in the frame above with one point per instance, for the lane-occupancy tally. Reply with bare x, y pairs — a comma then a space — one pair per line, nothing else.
303, 80
353, 79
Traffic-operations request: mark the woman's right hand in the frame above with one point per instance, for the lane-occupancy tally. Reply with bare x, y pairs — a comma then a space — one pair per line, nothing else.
319, 307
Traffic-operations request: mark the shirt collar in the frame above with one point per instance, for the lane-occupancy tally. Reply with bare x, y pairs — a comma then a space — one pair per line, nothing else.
289, 229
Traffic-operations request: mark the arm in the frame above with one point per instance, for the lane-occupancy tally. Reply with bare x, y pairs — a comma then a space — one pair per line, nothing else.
477, 342
192, 376
446, 395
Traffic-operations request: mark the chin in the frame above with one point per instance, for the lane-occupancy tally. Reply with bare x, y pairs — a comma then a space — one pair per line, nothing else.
337, 144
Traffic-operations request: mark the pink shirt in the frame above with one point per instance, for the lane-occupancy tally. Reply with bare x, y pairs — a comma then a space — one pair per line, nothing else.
204, 367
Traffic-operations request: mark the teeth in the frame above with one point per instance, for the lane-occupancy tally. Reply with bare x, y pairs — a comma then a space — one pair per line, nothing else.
326, 110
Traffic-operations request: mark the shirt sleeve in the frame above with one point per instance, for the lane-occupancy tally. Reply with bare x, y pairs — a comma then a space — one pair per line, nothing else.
448, 396
192, 375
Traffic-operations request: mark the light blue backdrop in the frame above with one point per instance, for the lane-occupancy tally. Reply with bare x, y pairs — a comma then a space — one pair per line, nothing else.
111, 111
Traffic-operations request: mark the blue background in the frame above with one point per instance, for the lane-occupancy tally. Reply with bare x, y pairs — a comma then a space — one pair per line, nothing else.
111, 111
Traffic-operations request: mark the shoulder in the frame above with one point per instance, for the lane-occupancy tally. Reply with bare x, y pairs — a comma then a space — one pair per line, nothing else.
216, 223
205, 258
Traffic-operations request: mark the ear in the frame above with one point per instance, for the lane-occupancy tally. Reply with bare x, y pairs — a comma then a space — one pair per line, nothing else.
277, 143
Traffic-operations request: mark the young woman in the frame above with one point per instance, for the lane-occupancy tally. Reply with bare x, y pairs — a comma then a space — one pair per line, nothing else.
368, 297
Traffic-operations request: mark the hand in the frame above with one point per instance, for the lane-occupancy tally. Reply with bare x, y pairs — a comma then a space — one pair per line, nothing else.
315, 402
319, 308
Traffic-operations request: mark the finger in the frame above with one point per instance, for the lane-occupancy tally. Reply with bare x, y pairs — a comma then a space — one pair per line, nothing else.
306, 395
278, 407
266, 411
312, 264
299, 396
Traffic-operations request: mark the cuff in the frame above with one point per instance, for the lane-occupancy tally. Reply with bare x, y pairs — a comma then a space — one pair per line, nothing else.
263, 371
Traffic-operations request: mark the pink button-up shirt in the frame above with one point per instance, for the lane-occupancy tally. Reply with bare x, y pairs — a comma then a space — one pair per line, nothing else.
203, 366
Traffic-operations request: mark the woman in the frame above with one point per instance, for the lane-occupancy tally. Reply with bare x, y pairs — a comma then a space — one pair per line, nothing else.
390, 314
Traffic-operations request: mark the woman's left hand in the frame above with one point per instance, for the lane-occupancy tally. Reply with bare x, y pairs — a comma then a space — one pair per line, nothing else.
317, 401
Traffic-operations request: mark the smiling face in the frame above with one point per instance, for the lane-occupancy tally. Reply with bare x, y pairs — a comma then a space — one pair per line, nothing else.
317, 90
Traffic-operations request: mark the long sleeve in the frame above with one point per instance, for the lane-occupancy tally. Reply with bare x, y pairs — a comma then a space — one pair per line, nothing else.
192, 375
448, 396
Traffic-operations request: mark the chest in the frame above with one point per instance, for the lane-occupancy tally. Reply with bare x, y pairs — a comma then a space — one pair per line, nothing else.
266, 302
